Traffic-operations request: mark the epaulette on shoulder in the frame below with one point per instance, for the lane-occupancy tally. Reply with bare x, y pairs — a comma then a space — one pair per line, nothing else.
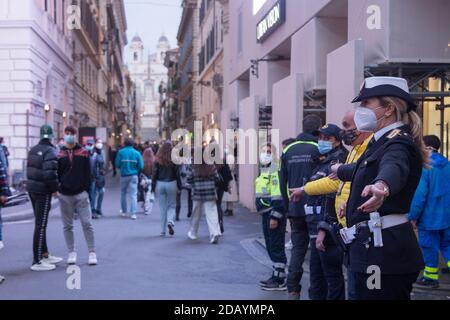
394, 133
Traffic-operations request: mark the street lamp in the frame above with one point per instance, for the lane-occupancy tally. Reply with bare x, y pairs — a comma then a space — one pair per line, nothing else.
47, 107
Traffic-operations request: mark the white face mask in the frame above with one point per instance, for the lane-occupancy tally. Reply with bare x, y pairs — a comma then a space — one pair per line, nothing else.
265, 158
99, 146
366, 119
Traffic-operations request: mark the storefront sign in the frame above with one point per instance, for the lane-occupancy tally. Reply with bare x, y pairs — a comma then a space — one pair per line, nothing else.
271, 21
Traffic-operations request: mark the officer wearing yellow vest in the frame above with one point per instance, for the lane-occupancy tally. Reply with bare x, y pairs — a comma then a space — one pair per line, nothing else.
270, 205
329, 185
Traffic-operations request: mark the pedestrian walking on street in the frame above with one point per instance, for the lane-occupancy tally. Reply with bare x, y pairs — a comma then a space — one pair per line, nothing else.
430, 213
231, 196
130, 163
74, 176
185, 171
384, 181
223, 185
145, 183
203, 180
298, 161
112, 159
271, 207
4, 194
326, 259
166, 183
98, 179
42, 183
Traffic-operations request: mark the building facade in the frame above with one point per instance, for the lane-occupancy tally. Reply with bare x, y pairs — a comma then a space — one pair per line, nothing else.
188, 64
211, 64
149, 73
60, 62
169, 111
290, 58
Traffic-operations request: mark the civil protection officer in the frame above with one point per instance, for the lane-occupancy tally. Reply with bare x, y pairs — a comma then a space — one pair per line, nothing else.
383, 249
270, 205
298, 161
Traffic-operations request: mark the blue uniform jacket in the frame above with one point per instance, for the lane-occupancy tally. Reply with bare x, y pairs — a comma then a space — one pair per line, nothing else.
431, 203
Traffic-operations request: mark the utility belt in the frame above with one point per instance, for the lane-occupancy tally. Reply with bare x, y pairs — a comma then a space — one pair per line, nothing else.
376, 224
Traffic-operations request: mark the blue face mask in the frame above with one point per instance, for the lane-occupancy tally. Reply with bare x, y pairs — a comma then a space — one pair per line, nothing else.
325, 146
69, 139
89, 148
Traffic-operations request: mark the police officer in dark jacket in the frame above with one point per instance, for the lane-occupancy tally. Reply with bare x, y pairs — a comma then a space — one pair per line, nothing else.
297, 164
326, 276
42, 182
383, 249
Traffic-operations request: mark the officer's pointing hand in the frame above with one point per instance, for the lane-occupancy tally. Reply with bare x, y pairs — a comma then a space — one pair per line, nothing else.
378, 194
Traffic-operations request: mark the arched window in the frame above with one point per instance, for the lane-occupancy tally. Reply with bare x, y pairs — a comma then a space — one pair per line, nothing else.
135, 56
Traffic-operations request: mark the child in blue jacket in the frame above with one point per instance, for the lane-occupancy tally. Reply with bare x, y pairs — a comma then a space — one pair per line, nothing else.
430, 213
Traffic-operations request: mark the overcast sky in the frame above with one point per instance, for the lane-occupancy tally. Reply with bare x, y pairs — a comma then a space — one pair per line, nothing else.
151, 18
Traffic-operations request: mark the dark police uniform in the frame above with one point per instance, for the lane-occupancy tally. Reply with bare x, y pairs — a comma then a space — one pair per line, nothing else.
396, 160
327, 280
298, 161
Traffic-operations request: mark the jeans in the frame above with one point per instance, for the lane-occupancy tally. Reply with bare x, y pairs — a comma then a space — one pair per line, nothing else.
129, 185
300, 242
41, 204
212, 219
275, 243
166, 192
327, 279
149, 199
96, 198
80, 204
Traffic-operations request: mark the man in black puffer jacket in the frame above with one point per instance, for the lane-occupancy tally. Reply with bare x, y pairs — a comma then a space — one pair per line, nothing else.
42, 182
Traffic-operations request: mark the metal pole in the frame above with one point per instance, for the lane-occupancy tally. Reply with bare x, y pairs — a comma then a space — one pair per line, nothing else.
442, 109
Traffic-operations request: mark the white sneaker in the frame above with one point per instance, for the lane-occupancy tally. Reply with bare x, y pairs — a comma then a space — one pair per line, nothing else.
123, 214
92, 259
133, 217
2, 278
1, 245
192, 236
43, 267
52, 260
72, 258
215, 239
289, 245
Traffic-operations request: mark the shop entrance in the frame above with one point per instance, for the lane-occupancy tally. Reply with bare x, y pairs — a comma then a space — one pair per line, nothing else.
430, 86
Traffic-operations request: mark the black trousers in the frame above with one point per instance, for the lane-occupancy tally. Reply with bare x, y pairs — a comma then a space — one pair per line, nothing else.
393, 287
220, 193
41, 206
326, 275
178, 205
300, 242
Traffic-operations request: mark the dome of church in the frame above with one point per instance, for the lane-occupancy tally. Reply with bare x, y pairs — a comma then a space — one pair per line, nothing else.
136, 38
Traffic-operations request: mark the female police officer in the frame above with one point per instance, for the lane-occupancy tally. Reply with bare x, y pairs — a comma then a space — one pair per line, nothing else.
383, 249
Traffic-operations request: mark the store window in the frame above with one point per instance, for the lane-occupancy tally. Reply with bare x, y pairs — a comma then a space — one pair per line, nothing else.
436, 121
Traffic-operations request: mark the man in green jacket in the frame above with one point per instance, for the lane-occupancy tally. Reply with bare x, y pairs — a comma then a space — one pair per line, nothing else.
130, 163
